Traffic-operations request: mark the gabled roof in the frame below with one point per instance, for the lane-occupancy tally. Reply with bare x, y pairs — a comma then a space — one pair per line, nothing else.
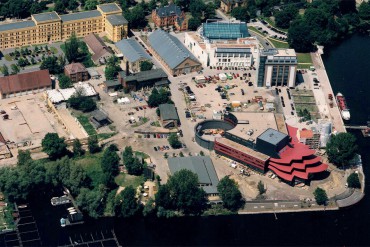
154, 74
132, 50
80, 15
17, 25
75, 68
116, 20
168, 112
169, 10
169, 48
26, 81
97, 45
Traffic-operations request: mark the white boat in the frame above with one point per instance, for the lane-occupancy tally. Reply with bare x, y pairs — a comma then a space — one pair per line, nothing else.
342, 104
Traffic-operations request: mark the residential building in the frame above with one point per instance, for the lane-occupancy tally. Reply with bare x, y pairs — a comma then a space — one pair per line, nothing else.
132, 54
99, 50
223, 30
239, 53
76, 72
23, 84
277, 67
170, 15
169, 116
149, 78
173, 55
200, 165
228, 5
51, 27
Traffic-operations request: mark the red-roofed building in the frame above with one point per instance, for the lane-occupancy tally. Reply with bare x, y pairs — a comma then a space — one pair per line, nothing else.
76, 72
309, 138
26, 83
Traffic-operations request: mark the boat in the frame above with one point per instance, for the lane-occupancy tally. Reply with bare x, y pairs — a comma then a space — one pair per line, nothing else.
62, 222
342, 104
55, 201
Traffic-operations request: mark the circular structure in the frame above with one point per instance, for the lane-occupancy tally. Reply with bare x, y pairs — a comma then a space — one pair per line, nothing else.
208, 141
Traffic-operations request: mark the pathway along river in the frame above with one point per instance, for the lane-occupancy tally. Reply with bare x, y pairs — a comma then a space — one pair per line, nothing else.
348, 69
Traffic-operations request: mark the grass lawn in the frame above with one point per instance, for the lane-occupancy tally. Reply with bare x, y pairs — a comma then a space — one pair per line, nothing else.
84, 121
91, 164
304, 58
144, 155
126, 180
272, 23
8, 57
104, 136
53, 49
304, 66
279, 44
256, 30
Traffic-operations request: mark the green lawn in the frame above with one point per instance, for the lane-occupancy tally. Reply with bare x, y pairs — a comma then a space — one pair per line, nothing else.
8, 57
304, 58
144, 155
126, 180
272, 23
279, 44
91, 164
84, 121
104, 136
256, 30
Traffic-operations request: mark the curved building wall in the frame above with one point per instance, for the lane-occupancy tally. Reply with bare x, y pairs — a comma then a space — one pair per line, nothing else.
210, 124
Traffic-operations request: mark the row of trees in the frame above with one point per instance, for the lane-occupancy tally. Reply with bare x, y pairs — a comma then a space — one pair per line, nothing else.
14, 69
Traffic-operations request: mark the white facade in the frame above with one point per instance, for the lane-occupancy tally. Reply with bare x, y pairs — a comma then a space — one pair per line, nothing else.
227, 53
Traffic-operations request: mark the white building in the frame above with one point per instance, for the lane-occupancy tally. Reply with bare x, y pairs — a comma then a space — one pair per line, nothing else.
239, 52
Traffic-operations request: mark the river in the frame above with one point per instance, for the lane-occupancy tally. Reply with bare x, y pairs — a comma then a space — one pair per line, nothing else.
348, 69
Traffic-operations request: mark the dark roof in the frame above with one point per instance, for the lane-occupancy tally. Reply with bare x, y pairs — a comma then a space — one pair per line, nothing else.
132, 50
169, 48
225, 30
272, 136
99, 115
144, 75
169, 10
112, 83
75, 68
232, 1
201, 165
168, 112
109, 7
46, 16
116, 20
17, 25
80, 15
26, 81
97, 45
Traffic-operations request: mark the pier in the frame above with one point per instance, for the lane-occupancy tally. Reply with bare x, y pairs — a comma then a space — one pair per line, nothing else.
102, 238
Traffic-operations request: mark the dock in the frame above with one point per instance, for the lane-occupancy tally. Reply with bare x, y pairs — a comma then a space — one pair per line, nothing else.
101, 238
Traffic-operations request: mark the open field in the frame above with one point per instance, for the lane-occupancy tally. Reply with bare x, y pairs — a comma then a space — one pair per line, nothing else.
126, 180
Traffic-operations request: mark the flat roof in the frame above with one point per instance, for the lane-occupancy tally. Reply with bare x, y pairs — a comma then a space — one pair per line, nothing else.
272, 136
242, 148
16, 25
109, 7
80, 15
168, 112
201, 165
116, 20
258, 122
225, 30
49, 16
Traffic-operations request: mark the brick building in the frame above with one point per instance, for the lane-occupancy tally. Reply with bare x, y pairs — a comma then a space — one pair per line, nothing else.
170, 15
76, 72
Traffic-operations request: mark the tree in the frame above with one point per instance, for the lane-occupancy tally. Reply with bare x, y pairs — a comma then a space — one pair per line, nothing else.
364, 10
284, 17
92, 201
5, 70
182, 193
194, 23
341, 148
320, 196
72, 4
152, 5
35, 8
158, 97
24, 157
173, 140
71, 48
261, 188
112, 68
59, 7
54, 146
15, 69
126, 203
241, 13
230, 194
109, 164
354, 181
299, 37
80, 102
77, 148
77, 179
149, 207
51, 64
136, 17
146, 65
132, 164
65, 82
91, 4
93, 144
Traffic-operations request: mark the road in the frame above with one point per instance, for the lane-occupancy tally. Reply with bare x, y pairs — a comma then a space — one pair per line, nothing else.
264, 27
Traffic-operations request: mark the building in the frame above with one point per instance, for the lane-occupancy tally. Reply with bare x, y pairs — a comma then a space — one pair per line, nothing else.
200, 165
100, 52
223, 30
277, 67
149, 78
169, 116
99, 119
238, 53
173, 55
23, 84
310, 138
132, 54
59, 96
76, 72
51, 27
170, 15
228, 5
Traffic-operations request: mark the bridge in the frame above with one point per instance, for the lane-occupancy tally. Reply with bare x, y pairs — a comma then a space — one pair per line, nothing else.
356, 127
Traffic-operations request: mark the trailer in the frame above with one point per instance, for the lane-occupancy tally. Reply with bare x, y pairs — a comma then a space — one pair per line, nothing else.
222, 77
200, 79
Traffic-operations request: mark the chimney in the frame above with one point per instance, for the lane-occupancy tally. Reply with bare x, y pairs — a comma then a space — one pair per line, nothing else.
127, 68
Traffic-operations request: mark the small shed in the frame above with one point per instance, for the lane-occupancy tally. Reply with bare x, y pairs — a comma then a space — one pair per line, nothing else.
169, 116
99, 119
93, 73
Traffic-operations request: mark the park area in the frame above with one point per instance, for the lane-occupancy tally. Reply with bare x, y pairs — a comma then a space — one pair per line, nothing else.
305, 99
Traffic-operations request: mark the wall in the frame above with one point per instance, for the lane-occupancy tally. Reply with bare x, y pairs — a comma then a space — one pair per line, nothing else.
209, 124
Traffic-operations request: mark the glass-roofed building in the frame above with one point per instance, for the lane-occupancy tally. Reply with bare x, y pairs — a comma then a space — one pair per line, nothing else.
216, 30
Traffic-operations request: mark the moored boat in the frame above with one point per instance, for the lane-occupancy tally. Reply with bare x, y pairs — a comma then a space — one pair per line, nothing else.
342, 104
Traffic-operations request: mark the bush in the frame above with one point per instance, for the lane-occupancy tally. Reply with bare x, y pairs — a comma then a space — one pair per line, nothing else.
173, 140
354, 181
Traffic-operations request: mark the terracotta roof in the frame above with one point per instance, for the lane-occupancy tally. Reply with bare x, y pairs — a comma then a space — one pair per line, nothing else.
26, 81
75, 68
97, 45
305, 133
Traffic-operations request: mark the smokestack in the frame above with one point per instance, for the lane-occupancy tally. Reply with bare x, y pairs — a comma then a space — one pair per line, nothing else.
127, 68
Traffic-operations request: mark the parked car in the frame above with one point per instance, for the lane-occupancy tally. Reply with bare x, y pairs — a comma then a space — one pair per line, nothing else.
155, 149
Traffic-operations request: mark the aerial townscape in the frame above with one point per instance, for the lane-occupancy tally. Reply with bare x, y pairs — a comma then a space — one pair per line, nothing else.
160, 109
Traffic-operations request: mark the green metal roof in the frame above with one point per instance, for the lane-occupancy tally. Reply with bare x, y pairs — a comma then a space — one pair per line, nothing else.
201, 165
225, 30
168, 112
80, 15
16, 25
